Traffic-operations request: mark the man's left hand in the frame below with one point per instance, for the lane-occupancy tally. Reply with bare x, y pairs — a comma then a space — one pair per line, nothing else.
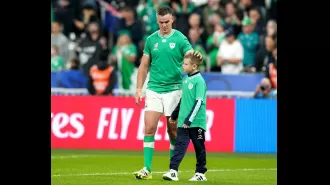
185, 126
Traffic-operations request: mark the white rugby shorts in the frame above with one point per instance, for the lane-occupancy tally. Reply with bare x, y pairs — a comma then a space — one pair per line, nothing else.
164, 103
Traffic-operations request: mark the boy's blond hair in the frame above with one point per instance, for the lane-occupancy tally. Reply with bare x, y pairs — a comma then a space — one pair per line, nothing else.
194, 59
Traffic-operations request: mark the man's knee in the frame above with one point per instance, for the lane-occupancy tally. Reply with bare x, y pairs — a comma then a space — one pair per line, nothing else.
150, 128
149, 132
151, 121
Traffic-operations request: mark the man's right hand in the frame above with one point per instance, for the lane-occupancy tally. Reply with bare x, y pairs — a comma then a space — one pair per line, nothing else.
138, 96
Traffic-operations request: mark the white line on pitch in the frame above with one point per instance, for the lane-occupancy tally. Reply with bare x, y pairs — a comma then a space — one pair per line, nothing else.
75, 156
190, 171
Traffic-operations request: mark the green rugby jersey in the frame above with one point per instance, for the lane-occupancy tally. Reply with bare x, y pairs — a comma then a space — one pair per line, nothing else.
192, 106
166, 57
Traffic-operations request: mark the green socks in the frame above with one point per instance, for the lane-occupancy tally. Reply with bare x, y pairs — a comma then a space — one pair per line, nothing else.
172, 143
148, 151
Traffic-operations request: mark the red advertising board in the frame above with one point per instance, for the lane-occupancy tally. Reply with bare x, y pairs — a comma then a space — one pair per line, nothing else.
116, 123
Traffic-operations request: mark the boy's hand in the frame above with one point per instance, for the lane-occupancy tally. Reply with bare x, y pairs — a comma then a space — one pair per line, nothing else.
185, 126
173, 121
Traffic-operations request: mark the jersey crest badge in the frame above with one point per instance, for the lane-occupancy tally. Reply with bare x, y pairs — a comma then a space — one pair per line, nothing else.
190, 86
156, 45
172, 45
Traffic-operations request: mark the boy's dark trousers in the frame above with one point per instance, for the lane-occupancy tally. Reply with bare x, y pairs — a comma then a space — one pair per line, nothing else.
184, 135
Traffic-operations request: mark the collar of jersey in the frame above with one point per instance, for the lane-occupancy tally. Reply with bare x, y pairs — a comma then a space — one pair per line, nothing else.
190, 75
167, 36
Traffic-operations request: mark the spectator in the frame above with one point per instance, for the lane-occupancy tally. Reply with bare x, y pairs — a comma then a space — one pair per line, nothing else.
75, 64
194, 38
250, 41
110, 14
56, 62
264, 90
89, 14
212, 14
183, 10
233, 17
90, 48
271, 28
124, 55
264, 55
148, 15
245, 6
129, 22
257, 21
271, 71
60, 40
102, 77
230, 54
65, 12
195, 23
212, 44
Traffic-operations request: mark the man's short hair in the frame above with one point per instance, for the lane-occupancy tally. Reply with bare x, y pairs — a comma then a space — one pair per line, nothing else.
194, 59
164, 10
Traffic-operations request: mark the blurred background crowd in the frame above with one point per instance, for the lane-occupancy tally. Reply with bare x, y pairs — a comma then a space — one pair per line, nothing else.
106, 38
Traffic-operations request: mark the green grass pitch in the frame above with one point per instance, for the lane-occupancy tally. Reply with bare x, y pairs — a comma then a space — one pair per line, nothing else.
106, 167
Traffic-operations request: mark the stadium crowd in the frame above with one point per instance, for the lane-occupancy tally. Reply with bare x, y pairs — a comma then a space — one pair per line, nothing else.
234, 36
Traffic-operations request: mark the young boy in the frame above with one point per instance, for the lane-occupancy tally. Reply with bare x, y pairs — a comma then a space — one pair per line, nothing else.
192, 120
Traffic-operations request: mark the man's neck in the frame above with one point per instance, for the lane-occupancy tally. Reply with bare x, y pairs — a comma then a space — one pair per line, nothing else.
166, 34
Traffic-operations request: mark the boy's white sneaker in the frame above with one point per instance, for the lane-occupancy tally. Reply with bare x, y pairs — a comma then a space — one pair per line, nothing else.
171, 175
198, 177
